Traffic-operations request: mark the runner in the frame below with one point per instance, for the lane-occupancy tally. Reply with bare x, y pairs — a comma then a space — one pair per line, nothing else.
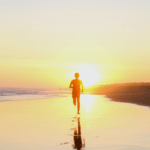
75, 85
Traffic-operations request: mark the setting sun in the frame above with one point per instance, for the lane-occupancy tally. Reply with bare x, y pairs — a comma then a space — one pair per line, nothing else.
89, 78
89, 74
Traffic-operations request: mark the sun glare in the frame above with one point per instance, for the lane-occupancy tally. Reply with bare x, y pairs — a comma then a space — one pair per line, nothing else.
89, 78
87, 102
89, 74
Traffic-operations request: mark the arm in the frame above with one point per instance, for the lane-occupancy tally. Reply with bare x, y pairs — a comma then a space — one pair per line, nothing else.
71, 85
82, 86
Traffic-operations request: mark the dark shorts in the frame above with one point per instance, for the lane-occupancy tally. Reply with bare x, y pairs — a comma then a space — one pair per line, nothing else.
75, 94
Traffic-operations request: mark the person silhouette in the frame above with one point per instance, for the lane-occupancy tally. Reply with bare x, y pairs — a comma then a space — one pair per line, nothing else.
75, 85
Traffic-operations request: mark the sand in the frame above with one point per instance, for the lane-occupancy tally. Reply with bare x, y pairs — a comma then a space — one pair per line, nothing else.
52, 124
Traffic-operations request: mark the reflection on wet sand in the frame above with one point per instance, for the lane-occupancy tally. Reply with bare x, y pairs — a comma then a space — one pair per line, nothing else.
78, 144
48, 124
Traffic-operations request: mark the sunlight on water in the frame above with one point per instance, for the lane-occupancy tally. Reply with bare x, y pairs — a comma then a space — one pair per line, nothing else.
87, 102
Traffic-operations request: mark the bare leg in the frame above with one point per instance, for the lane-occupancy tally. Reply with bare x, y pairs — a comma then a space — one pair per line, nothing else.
78, 105
74, 101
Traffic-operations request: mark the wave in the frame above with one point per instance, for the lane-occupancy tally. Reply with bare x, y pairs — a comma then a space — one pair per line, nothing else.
42, 95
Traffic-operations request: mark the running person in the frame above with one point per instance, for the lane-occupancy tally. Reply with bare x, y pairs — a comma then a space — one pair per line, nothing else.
75, 85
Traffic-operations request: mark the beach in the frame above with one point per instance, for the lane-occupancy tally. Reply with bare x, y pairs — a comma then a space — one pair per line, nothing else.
54, 50
52, 124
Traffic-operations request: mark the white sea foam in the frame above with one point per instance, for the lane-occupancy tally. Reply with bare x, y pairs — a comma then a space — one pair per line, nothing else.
41, 95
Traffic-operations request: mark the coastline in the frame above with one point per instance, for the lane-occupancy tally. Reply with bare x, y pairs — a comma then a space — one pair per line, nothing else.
138, 98
14, 94
29, 97
136, 93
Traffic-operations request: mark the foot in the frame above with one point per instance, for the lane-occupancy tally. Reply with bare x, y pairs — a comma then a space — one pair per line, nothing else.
78, 113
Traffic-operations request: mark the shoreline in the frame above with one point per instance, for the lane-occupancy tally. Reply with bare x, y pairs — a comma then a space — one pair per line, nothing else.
142, 99
134, 98
26, 97
136, 93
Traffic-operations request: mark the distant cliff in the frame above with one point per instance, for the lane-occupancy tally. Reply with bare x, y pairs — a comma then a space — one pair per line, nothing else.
138, 93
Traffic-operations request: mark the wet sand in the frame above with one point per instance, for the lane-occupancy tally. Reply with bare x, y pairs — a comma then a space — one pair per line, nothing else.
52, 124
137, 93
136, 98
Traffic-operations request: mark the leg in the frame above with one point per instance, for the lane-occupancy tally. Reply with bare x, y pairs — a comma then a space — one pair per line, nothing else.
78, 105
74, 101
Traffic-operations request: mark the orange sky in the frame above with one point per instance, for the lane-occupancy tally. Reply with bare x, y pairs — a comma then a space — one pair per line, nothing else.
44, 43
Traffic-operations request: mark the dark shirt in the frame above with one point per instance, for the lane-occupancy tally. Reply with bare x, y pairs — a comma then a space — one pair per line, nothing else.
76, 85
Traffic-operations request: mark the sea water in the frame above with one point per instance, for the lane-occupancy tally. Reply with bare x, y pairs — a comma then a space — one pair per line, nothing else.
7, 96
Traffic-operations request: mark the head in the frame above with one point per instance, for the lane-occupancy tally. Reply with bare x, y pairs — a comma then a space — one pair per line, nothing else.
76, 75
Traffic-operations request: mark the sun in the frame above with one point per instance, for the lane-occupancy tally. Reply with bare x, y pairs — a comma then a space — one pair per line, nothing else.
89, 74
89, 78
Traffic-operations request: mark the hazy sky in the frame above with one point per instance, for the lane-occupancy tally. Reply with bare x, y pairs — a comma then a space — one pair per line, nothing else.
43, 43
